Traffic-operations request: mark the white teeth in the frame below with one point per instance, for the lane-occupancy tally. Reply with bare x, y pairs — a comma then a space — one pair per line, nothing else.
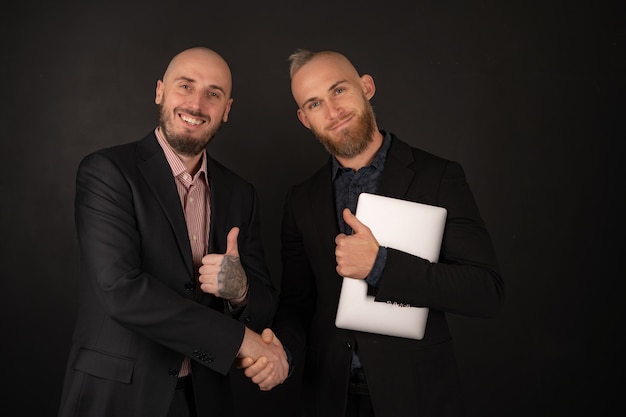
190, 120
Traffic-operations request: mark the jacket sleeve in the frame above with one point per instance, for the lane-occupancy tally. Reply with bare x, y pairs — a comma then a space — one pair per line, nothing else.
132, 284
466, 279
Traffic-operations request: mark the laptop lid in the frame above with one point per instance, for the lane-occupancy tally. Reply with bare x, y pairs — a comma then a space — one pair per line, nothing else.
411, 227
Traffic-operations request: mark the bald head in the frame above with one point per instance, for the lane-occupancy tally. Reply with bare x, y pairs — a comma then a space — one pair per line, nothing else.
202, 61
194, 99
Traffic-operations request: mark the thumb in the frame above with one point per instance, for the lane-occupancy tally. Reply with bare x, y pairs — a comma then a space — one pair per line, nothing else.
232, 248
267, 335
352, 221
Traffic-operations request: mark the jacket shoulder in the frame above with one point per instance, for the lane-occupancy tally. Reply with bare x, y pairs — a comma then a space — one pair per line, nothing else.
148, 145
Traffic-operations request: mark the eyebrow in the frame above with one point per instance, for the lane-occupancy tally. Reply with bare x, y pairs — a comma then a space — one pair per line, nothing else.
191, 80
331, 88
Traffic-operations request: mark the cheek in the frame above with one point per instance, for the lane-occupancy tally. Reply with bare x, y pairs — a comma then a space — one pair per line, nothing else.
310, 121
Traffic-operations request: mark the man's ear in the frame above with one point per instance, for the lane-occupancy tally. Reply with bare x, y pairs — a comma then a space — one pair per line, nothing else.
227, 111
158, 96
303, 119
369, 88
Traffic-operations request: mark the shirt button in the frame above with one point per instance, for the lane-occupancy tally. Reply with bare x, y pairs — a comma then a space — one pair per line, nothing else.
348, 345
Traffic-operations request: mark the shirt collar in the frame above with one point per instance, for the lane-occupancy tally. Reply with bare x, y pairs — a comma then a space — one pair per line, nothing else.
379, 159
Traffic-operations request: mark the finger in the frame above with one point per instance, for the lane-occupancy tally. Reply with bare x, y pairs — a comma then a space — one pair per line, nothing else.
339, 238
245, 362
352, 221
209, 288
267, 379
265, 375
212, 259
257, 367
270, 377
232, 247
208, 270
206, 279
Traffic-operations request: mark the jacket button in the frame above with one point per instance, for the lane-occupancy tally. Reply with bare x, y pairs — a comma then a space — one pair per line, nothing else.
247, 319
173, 372
189, 286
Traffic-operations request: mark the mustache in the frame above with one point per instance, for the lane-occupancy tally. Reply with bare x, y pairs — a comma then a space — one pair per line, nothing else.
340, 120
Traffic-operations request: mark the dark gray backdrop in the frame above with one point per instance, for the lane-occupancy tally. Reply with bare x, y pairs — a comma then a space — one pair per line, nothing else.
527, 95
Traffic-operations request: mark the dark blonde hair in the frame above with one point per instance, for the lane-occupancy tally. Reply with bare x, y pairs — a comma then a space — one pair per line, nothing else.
298, 59
301, 57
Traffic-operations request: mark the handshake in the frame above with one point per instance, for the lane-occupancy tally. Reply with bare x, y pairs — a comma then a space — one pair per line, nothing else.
262, 356
263, 359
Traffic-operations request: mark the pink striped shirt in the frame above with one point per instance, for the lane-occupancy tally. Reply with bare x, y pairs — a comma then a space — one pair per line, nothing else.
194, 195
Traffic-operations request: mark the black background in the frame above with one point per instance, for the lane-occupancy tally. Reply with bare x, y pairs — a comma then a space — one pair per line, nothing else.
527, 95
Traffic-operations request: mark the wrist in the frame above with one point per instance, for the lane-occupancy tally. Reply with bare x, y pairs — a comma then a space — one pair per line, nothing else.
241, 300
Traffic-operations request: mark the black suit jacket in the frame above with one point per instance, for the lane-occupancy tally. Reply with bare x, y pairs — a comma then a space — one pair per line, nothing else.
405, 377
137, 317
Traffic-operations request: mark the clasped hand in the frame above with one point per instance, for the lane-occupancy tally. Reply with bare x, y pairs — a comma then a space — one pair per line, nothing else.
263, 358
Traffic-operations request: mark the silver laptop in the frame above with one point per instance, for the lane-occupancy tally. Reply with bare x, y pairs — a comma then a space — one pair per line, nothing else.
407, 226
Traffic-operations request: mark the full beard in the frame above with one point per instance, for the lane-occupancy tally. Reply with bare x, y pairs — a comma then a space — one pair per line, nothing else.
182, 143
351, 142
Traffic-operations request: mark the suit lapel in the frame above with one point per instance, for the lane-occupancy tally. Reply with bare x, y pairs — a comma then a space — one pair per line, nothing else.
397, 176
322, 192
395, 182
219, 196
158, 175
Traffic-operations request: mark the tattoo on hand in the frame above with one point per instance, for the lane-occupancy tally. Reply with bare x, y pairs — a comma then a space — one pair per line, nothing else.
231, 280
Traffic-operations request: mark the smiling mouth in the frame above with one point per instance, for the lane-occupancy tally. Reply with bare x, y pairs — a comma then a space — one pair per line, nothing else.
191, 120
341, 123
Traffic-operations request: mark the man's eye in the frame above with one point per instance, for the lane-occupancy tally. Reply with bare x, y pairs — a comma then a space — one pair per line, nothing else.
339, 90
314, 105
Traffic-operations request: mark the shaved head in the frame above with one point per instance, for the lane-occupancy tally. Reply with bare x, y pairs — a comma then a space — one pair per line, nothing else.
201, 56
194, 99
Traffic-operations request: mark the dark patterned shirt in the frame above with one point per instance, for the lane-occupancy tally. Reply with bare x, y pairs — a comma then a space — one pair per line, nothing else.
348, 184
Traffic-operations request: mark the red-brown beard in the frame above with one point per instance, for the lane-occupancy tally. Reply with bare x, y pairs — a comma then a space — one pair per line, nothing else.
351, 141
181, 143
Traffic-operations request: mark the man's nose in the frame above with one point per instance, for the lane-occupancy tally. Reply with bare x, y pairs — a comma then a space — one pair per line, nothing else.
333, 110
196, 101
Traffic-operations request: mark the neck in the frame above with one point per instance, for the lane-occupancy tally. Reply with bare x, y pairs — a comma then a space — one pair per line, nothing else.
192, 163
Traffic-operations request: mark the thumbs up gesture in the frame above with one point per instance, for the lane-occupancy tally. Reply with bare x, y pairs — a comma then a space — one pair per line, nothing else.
223, 275
355, 253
